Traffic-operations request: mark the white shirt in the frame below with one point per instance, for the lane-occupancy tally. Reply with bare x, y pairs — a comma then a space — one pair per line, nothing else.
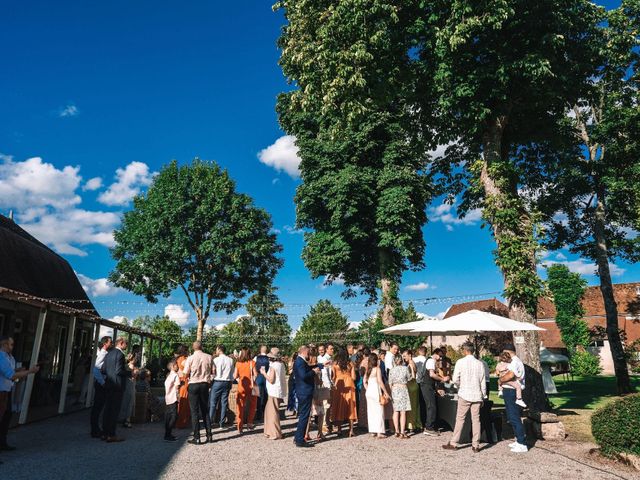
388, 360
277, 389
325, 373
171, 388
468, 375
420, 362
224, 368
517, 367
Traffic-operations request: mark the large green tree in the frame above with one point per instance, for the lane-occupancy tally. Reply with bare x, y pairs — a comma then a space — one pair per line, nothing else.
592, 193
263, 324
504, 70
364, 188
170, 332
192, 231
324, 323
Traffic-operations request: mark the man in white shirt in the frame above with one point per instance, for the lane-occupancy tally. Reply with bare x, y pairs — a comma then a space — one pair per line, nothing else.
468, 375
516, 372
222, 380
325, 354
428, 377
98, 387
394, 350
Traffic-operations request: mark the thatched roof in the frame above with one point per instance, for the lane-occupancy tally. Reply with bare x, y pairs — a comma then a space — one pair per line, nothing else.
29, 266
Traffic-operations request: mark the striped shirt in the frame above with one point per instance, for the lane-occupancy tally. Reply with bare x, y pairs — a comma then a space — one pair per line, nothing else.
468, 375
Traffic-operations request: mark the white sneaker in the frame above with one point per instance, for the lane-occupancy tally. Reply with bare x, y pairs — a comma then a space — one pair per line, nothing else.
521, 403
512, 444
520, 448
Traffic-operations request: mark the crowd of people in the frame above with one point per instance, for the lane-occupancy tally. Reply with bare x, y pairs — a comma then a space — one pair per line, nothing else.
328, 388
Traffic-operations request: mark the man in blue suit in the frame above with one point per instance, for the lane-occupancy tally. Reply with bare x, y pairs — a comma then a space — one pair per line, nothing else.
305, 375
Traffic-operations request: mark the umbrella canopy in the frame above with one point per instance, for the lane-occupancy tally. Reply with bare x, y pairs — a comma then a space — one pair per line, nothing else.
549, 357
413, 329
467, 323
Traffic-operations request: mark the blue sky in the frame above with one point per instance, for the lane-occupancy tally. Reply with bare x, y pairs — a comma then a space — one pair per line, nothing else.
95, 97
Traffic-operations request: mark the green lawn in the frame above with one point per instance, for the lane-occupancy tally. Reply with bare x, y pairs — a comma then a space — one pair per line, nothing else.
582, 393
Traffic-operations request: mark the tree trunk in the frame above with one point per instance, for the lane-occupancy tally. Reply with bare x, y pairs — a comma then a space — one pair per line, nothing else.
201, 321
610, 306
529, 349
387, 305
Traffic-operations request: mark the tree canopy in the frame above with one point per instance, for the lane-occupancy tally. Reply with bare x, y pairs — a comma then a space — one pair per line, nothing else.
364, 191
324, 323
192, 231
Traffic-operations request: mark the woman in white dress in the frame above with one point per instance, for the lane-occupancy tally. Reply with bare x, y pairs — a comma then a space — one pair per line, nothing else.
375, 387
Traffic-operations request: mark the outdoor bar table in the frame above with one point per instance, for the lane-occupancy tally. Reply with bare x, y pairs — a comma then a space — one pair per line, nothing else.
447, 409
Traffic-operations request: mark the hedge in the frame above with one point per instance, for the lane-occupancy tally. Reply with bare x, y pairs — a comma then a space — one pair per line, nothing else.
616, 426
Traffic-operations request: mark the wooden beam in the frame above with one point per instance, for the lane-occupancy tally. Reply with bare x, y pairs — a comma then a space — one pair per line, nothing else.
96, 338
67, 365
35, 353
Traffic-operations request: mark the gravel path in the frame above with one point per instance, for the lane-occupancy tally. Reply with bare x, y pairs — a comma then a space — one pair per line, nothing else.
60, 448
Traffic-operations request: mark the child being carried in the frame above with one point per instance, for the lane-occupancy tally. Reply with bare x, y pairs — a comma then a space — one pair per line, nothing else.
501, 369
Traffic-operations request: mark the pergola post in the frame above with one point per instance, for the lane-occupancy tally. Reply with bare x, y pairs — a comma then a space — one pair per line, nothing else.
115, 334
96, 338
129, 342
151, 350
35, 353
67, 365
142, 362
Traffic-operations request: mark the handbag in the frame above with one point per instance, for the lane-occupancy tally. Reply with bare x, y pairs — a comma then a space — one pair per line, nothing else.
383, 399
255, 389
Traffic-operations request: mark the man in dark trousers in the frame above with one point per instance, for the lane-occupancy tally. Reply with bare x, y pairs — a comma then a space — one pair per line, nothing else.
98, 387
115, 376
305, 376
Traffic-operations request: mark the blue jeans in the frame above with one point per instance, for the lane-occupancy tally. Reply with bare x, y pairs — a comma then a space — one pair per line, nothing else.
304, 410
513, 414
219, 394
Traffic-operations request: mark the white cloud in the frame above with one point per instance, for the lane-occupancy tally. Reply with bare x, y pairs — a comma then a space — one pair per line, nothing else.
277, 231
339, 280
440, 315
64, 230
129, 182
416, 287
99, 287
46, 204
354, 325
33, 183
69, 111
177, 314
292, 230
581, 266
282, 155
92, 184
446, 214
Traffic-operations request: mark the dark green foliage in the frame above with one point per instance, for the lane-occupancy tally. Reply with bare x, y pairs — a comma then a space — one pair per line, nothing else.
364, 189
490, 361
324, 323
568, 289
585, 364
616, 425
369, 330
191, 230
263, 324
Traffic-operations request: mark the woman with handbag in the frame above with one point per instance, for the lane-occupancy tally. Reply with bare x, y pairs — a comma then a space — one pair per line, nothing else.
248, 391
377, 397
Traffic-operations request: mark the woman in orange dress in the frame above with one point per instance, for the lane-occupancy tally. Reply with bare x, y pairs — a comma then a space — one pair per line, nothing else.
184, 412
245, 401
343, 398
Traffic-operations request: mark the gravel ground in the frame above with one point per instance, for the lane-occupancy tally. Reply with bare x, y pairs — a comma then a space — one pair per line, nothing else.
60, 448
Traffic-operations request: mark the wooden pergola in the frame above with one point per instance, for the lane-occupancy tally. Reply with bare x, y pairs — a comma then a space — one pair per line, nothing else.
46, 306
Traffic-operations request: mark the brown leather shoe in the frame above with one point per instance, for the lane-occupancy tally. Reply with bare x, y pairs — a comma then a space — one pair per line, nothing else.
115, 439
475, 449
448, 446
